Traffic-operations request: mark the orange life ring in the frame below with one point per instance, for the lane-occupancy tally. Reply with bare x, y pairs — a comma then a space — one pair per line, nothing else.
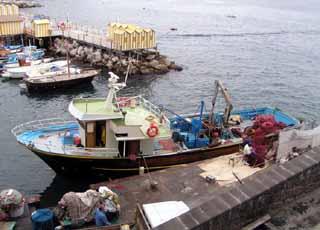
153, 130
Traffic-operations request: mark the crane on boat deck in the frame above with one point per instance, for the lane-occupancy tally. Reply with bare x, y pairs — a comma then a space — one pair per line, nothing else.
220, 87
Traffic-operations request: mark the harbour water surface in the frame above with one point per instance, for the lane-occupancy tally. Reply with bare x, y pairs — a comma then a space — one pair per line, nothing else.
265, 52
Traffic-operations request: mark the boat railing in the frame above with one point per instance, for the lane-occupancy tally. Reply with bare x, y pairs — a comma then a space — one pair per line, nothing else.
154, 109
148, 106
39, 124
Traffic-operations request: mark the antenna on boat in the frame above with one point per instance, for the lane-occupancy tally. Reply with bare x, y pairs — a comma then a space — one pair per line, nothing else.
114, 87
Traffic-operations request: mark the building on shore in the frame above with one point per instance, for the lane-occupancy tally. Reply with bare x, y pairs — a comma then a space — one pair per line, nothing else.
41, 28
10, 21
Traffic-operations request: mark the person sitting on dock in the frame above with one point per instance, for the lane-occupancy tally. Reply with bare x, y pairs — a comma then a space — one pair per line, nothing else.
100, 217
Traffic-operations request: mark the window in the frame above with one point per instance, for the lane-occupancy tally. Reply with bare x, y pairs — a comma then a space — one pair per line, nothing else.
90, 127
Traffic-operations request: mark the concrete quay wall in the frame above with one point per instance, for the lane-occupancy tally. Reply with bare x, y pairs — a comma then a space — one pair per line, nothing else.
236, 206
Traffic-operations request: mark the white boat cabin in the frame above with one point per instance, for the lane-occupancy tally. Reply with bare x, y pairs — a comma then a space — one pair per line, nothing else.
128, 124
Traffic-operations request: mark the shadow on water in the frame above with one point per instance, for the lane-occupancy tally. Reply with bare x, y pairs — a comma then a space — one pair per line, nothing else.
70, 92
63, 184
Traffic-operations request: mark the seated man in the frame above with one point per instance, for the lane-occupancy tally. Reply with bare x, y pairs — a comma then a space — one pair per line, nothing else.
100, 217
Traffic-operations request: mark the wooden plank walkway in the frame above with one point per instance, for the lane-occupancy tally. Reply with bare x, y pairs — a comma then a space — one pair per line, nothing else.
84, 34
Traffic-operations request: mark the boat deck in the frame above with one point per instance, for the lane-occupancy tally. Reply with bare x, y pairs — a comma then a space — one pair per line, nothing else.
185, 183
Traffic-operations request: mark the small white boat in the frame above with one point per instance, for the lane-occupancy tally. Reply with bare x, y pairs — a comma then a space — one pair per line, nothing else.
32, 62
49, 72
20, 72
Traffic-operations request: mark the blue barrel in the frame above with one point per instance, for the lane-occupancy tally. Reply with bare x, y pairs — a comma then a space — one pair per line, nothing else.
42, 219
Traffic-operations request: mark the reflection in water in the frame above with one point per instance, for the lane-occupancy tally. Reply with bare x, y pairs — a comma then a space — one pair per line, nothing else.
59, 186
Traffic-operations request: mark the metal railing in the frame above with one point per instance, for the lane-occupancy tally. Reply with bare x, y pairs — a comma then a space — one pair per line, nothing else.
63, 148
39, 124
149, 107
155, 110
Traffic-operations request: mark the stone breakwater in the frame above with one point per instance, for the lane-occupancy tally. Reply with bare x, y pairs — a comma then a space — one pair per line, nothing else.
143, 62
21, 3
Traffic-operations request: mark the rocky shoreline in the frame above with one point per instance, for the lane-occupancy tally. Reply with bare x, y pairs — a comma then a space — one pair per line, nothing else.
142, 62
22, 3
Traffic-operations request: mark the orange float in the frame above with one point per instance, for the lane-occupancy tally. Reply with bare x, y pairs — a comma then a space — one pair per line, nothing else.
153, 130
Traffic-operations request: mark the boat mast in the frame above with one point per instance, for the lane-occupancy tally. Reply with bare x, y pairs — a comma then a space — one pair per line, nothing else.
62, 27
114, 87
220, 87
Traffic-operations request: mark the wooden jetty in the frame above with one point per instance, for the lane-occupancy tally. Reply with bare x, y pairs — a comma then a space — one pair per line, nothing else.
113, 47
38, 31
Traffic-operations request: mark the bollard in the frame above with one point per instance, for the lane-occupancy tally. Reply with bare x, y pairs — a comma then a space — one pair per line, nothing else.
141, 170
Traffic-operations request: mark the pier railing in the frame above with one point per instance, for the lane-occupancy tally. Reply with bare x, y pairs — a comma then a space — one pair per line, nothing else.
87, 34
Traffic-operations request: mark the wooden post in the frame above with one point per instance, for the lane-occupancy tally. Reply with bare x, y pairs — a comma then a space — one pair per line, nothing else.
21, 37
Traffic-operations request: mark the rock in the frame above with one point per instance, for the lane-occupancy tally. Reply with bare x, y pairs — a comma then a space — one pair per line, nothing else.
114, 59
150, 57
161, 69
89, 57
165, 61
21, 3
75, 44
109, 65
97, 56
153, 64
106, 56
144, 70
124, 62
133, 70
145, 62
175, 67
80, 50
73, 52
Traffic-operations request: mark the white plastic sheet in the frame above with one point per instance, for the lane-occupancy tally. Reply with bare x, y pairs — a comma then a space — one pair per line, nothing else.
159, 213
299, 139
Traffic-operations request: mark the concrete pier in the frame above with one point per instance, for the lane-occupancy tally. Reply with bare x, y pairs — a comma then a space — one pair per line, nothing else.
218, 206
259, 194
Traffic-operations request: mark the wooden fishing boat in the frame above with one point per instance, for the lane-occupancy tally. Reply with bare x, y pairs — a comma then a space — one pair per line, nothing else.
59, 79
119, 136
